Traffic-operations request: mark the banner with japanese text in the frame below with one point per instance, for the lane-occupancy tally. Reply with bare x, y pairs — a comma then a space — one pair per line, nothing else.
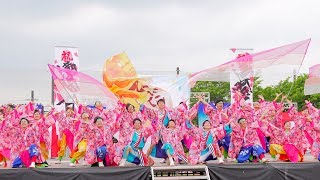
68, 58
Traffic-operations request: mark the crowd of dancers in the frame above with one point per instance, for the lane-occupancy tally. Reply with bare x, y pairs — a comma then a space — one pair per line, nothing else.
242, 132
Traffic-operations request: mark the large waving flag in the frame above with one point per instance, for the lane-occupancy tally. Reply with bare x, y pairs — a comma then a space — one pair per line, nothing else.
312, 84
177, 86
120, 76
81, 88
270, 65
262, 63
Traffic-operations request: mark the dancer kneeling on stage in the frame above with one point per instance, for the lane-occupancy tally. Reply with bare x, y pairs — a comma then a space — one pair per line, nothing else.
205, 143
135, 142
103, 133
245, 142
83, 137
288, 143
172, 145
26, 145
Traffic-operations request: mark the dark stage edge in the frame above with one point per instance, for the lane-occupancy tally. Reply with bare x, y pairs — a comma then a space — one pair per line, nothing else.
110, 173
273, 171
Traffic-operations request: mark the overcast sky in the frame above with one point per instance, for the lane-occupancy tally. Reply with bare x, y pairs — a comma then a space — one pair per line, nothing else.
156, 35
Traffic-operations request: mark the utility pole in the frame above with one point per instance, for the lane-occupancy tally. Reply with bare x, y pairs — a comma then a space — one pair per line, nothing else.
294, 75
32, 95
32, 99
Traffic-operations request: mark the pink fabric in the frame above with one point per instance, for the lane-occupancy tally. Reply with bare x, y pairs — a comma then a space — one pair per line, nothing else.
22, 139
126, 140
217, 116
262, 139
311, 85
86, 131
25, 158
291, 54
69, 138
174, 137
125, 121
95, 136
309, 138
6, 153
315, 149
103, 136
188, 141
295, 137
42, 126
77, 125
242, 138
157, 117
81, 86
292, 152
6, 139
199, 142
314, 71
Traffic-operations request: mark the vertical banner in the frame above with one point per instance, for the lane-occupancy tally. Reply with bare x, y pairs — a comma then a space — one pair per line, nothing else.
242, 77
64, 57
68, 58
242, 82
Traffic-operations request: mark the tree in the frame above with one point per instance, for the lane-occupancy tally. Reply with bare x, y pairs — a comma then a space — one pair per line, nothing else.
216, 90
293, 89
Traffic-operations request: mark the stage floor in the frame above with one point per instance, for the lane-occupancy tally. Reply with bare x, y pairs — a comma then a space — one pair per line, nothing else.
309, 169
246, 171
65, 162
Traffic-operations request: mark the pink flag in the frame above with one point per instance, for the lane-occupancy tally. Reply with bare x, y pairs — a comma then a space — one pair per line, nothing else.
265, 63
314, 71
312, 84
81, 88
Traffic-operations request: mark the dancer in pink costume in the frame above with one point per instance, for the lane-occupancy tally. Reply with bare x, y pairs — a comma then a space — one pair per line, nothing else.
205, 143
26, 146
172, 145
135, 143
245, 141
84, 142
289, 141
103, 130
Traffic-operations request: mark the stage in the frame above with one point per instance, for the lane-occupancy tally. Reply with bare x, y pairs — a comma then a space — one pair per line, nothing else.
272, 171
110, 173
229, 170
303, 171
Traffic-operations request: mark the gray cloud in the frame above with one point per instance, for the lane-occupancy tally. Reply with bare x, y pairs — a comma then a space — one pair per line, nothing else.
157, 35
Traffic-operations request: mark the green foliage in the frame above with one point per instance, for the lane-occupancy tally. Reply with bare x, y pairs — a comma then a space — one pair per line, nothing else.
216, 90
293, 89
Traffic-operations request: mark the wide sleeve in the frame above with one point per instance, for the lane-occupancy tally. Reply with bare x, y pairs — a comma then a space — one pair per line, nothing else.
219, 132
